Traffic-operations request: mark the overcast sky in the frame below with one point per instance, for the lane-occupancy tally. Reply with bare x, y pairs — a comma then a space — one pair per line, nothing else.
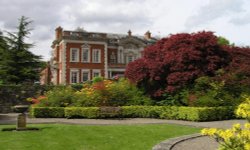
228, 18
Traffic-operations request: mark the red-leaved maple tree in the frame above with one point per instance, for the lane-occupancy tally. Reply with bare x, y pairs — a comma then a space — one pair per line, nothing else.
176, 61
238, 71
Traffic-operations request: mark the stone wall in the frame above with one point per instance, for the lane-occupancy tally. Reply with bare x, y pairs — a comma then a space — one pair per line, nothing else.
11, 95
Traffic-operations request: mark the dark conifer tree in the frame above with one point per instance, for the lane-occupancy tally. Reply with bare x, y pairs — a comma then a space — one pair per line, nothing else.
18, 64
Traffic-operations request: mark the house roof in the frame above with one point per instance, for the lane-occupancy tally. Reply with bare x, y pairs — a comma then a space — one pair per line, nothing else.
110, 38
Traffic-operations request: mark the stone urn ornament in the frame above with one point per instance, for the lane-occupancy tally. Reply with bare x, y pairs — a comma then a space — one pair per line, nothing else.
21, 118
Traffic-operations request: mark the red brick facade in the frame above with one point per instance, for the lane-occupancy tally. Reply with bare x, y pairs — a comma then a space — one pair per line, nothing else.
79, 55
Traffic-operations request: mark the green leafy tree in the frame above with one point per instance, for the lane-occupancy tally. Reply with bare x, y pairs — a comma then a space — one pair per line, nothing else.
18, 64
223, 41
3, 50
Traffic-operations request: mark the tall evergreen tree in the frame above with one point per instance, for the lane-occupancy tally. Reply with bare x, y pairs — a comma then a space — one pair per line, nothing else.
3, 51
18, 64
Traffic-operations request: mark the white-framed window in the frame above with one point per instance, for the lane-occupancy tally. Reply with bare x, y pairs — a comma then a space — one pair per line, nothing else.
74, 55
74, 76
112, 58
96, 56
96, 73
130, 58
85, 75
85, 53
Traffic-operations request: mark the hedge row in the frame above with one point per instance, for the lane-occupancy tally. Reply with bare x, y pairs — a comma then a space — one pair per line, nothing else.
199, 113
47, 112
164, 112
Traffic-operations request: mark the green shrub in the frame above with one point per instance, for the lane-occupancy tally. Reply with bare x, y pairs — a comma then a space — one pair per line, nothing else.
59, 96
199, 113
47, 112
77, 86
143, 111
237, 138
123, 93
170, 112
98, 79
164, 112
82, 112
243, 110
212, 93
110, 93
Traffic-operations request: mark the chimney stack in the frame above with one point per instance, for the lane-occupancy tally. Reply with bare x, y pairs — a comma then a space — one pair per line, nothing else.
147, 35
59, 32
129, 33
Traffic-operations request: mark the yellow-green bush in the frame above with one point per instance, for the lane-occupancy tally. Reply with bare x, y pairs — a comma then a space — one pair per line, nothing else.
99, 93
59, 96
236, 138
82, 112
199, 113
244, 109
110, 93
164, 112
142, 111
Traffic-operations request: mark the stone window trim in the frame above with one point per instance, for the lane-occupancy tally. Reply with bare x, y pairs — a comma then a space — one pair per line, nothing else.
113, 58
130, 57
74, 54
74, 76
96, 56
86, 54
85, 50
96, 71
85, 71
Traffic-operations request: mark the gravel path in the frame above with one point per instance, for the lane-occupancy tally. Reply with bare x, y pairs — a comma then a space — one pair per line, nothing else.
200, 143
11, 119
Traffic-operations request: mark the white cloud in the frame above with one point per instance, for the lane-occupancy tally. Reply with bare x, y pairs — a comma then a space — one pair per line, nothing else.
242, 20
229, 18
215, 9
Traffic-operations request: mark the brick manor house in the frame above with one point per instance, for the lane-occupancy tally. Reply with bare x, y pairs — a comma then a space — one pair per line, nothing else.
79, 55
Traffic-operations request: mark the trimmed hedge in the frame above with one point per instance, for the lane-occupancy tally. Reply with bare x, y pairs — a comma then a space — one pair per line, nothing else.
142, 111
47, 112
164, 112
199, 113
81, 112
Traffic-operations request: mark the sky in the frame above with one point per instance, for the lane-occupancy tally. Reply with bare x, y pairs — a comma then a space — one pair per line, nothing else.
227, 18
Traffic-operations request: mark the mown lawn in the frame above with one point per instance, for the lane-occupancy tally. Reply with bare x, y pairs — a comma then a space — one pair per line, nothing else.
82, 137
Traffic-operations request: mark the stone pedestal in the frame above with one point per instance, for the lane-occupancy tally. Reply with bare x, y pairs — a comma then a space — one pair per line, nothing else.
21, 122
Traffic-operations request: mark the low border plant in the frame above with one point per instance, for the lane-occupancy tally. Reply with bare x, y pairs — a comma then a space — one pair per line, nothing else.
164, 112
236, 138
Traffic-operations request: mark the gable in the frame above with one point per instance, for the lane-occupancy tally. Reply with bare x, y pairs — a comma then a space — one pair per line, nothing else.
131, 43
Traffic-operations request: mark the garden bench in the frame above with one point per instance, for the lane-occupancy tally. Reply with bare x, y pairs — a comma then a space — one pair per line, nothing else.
110, 111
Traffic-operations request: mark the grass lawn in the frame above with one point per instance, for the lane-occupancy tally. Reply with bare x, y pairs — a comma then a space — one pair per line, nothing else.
82, 137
